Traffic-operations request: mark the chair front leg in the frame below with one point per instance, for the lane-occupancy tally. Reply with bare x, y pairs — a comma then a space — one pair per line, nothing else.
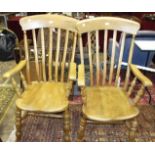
81, 129
67, 128
18, 124
133, 129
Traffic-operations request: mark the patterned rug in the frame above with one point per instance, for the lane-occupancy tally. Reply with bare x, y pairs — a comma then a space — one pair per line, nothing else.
47, 129
6, 96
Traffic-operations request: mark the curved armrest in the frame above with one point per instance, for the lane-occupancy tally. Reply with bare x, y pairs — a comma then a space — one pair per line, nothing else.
72, 72
140, 76
81, 75
15, 70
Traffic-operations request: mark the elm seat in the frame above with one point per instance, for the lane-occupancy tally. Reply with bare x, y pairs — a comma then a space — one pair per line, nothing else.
108, 104
35, 99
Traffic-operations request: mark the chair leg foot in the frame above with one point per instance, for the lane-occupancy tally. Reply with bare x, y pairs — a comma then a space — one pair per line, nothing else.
133, 130
81, 129
18, 124
67, 128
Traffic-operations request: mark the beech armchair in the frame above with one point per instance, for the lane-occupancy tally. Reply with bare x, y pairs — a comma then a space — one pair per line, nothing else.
104, 101
54, 70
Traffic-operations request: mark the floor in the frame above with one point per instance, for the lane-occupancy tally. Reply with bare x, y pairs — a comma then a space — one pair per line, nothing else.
8, 123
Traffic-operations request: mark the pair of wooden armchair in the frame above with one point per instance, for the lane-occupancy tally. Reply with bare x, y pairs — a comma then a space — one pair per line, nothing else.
103, 100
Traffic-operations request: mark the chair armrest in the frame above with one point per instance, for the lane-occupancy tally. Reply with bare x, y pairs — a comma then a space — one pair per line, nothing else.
15, 70
72, 71
140, 76
81, 75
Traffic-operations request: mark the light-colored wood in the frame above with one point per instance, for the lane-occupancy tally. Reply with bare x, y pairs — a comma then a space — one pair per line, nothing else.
81, 130
108, 23
15, 70
140, 76
108, 103
81, 49
112, 57
139, 94
57, 54
133, 130
90, 59
43, 54
132, 86
50, 53
46, 115
46, 95
36, 54
129, 62
67, 126
81, 75
64, 56
27, 57
50, 97
120, 58
105, 56
49, 20
72, 71
97, 59
74, 47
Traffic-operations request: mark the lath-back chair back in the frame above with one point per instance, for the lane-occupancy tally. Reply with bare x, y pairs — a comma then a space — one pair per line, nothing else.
53, 56
106, 26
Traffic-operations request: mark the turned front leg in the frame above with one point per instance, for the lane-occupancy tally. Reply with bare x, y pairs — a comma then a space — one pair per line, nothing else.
133, 129
18, 124
67, 128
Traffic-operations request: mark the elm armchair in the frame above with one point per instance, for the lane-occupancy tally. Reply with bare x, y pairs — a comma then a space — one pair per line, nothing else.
104, 101
55, 70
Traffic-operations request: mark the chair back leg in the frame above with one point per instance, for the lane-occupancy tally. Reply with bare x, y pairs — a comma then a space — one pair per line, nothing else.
18, 124
82, 128
67, 126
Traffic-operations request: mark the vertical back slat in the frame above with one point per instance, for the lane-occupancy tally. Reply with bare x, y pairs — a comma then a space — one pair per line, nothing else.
120, 57
50, 53
113, 56
97, 59
64, 56
57, 54
105, 56
90, 59
43, 54
74, 47
36, 54
27, 58
129, 62
81, 49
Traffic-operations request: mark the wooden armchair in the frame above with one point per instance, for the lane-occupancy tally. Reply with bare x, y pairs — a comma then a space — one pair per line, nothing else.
104, 100
54, 70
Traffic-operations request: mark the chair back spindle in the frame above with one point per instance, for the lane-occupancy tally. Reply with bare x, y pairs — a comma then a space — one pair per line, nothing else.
49, 59
110, 72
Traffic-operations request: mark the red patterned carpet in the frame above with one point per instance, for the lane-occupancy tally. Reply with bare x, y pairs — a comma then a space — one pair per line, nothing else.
38, 129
